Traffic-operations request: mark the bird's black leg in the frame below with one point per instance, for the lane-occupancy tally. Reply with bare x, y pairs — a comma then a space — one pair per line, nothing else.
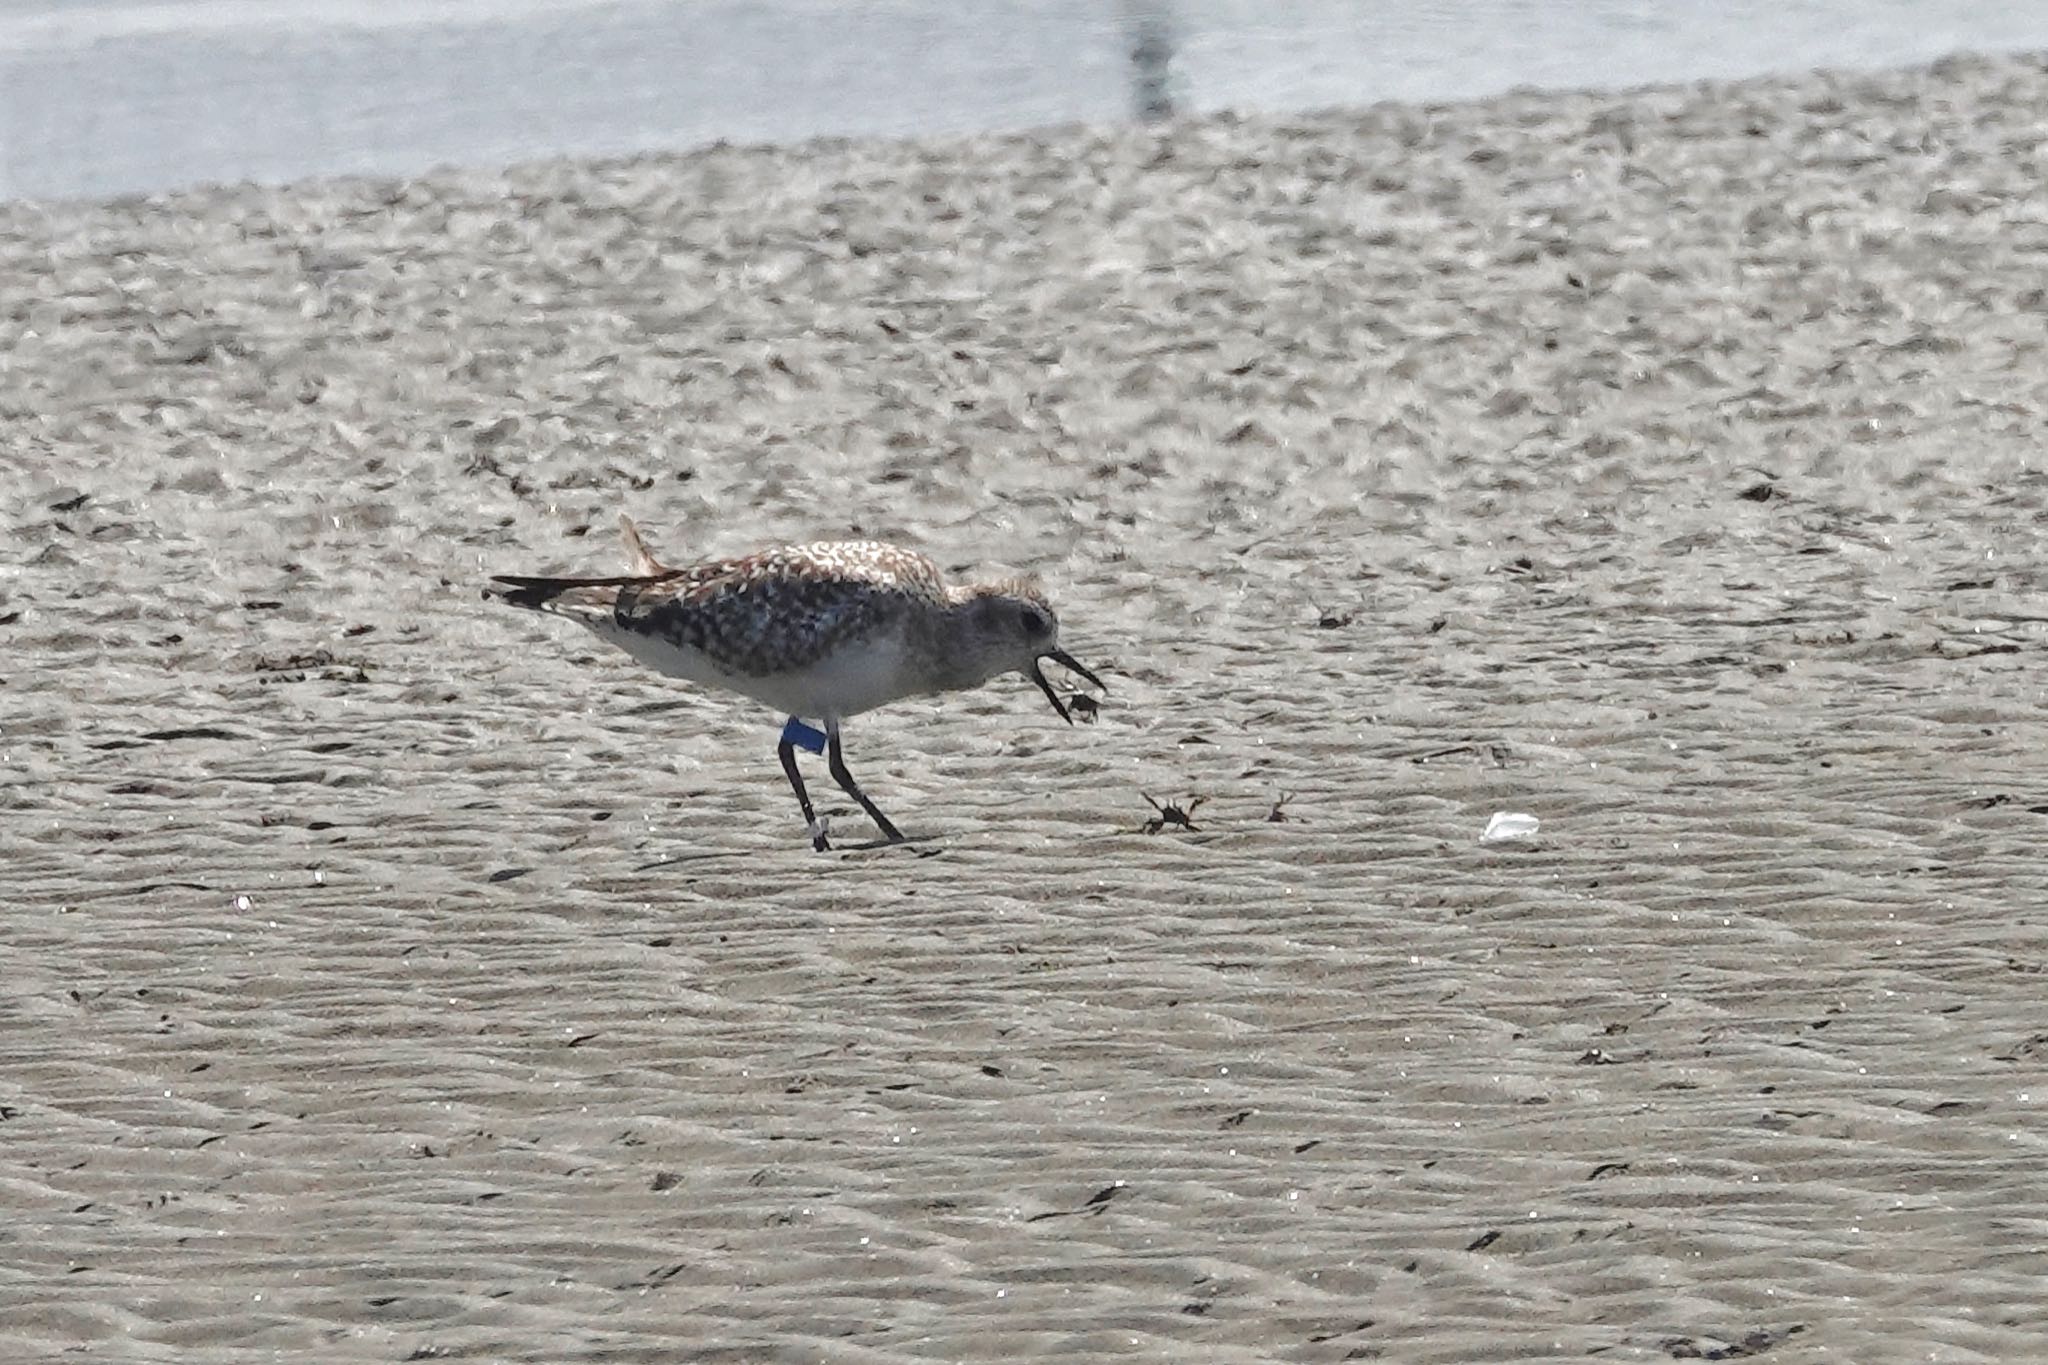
837, 764
786, 751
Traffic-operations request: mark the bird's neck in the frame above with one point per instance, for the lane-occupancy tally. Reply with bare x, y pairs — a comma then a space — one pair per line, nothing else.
946, 643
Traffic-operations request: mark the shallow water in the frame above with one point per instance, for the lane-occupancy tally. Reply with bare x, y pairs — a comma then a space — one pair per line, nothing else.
111, 97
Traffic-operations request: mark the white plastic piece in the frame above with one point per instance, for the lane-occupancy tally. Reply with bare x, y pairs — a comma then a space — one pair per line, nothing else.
1509, 825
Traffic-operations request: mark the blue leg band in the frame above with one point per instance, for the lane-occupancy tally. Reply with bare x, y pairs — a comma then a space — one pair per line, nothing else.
803, 736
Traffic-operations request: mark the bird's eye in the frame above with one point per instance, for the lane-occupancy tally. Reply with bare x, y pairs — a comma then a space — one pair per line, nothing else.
1033, 621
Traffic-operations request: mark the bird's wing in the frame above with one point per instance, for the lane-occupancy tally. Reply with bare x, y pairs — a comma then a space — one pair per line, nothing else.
782, 609
756, 614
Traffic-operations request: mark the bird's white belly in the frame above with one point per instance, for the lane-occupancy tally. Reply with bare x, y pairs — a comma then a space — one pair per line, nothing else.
858, 676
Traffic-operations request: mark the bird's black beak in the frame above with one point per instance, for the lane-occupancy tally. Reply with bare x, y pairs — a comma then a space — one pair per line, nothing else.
1072, 665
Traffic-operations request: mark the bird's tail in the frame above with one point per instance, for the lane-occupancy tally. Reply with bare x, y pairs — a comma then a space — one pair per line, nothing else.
581, 598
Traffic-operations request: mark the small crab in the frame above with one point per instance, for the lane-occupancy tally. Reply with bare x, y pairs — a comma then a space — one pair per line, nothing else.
1172, 813
1331, 620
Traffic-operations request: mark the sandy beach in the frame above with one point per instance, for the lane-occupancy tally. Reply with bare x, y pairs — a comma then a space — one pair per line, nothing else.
393, 976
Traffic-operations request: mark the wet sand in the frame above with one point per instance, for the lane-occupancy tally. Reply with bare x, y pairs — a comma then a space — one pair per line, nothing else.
396, 976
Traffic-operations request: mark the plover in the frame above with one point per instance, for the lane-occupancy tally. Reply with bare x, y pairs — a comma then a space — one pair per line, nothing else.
821, 631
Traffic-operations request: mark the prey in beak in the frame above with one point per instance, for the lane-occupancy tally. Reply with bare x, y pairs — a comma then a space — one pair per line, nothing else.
1072, 665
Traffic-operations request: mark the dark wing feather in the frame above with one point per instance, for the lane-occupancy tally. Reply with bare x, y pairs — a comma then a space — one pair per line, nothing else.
754, 615
758, 625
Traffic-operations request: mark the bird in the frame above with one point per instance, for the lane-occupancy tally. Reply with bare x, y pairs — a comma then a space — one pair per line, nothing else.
824, 630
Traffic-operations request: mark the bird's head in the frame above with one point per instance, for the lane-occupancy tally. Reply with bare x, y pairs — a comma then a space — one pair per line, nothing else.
1009, 627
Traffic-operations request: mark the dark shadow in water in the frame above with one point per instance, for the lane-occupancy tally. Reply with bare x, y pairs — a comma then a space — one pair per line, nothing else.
1152, 34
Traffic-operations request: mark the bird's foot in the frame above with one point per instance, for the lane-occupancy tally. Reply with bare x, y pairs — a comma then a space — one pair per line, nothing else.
818, 830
